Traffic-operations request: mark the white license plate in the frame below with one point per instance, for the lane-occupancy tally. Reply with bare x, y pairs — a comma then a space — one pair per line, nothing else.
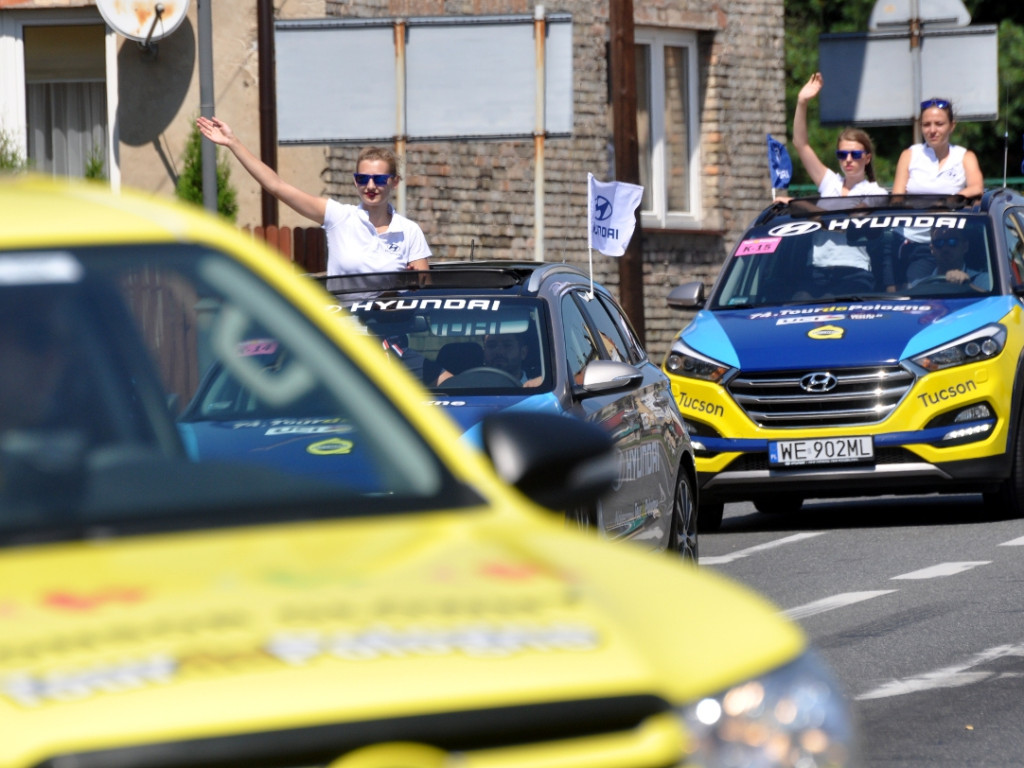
823, 450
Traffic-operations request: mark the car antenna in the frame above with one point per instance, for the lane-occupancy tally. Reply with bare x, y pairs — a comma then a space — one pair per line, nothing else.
472, 247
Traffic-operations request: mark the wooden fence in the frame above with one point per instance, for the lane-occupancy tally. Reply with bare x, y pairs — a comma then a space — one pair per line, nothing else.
306, 246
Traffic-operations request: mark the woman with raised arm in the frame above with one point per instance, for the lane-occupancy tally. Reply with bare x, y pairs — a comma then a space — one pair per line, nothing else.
369, 237
854, 150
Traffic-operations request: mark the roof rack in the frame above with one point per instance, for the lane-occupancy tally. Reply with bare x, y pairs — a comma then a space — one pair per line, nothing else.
801, 207
448, 274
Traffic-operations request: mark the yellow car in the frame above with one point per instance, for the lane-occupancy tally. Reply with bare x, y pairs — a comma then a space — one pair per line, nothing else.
406, 608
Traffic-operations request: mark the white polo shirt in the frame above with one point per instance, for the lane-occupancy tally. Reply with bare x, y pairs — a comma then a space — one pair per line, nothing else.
925, 176
354, 245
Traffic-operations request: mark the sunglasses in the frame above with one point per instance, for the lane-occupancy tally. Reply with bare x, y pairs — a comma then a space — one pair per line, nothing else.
940, 103
945, 242
380, 179
856, 154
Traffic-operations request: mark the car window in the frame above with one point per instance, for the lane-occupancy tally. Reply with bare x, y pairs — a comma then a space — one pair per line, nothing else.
173, 373
608, 333
852, 256
460, 342
637, 353
580, 345
1014, 229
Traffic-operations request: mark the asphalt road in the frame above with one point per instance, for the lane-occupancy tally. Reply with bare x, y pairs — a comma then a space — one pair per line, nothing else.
917, 603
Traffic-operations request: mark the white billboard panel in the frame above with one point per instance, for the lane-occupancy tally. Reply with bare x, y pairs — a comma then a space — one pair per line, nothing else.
869, 77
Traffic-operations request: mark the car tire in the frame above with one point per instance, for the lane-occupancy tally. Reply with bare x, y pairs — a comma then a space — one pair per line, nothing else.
709, 516
786, 504
682, 537
1007, 502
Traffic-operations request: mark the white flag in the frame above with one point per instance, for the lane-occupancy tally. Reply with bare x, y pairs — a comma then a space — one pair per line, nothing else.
611, 216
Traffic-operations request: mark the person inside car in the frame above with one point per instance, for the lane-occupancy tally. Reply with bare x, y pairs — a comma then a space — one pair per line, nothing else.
508, 352
949, 252
34, 354
369, 237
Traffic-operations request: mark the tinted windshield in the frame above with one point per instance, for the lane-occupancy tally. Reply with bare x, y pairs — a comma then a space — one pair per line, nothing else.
167, 382
473, 344
851, 256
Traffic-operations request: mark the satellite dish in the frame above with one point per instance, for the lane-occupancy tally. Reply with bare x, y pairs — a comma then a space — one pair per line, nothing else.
143, 20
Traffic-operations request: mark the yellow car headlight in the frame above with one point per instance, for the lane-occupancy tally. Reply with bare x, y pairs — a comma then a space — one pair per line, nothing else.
683, 361
792, 717
983, 344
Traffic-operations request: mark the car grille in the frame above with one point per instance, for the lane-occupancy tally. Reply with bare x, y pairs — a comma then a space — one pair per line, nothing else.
820, 397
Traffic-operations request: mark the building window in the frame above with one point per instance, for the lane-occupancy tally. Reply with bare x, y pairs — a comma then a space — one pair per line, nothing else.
667, 128
58, 90
66, 99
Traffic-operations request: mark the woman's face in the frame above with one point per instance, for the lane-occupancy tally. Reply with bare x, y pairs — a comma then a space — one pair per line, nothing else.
853, 168
372, 194
936, 127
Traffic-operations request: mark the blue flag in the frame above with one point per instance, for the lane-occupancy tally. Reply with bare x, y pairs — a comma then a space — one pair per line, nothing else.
779, 163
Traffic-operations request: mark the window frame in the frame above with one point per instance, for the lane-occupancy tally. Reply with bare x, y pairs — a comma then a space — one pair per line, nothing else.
658, 216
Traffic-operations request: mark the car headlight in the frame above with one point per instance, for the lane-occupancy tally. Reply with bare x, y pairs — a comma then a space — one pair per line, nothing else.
983, 344
793, 717
683, 361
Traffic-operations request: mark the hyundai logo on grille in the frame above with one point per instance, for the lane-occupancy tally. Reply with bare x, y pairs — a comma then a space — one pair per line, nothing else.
818, 382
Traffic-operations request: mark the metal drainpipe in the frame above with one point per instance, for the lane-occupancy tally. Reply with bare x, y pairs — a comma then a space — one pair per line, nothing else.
400, 110
208, 150
539, 40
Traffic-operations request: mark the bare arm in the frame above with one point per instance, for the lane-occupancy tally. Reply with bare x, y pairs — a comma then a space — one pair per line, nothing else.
303, 203
814, 167
975, 179
419, 264
899, 184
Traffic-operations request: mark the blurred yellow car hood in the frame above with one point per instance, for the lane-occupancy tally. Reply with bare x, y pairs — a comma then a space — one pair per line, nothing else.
163, 638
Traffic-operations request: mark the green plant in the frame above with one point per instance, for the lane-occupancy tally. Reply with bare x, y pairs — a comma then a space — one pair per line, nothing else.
95, 164
190, 181
11, 158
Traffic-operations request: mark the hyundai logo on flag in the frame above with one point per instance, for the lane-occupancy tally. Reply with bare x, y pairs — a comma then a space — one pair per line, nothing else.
611, 214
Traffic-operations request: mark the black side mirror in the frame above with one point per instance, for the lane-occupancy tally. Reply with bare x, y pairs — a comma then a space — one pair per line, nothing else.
557, 461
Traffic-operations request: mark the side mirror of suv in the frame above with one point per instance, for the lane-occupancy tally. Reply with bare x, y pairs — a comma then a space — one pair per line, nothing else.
686, 296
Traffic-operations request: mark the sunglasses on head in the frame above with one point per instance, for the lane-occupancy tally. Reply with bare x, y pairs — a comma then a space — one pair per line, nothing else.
940, 103
380, 179
856, 154
945, 242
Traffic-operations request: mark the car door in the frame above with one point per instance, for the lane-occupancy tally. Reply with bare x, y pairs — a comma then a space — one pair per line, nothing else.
638, 507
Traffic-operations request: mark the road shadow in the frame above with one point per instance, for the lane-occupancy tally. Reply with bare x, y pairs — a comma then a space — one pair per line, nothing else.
884, 512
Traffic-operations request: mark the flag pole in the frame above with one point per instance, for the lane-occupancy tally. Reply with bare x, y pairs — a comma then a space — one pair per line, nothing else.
590, 237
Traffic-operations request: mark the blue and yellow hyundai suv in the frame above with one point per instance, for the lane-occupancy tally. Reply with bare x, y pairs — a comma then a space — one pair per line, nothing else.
859, 346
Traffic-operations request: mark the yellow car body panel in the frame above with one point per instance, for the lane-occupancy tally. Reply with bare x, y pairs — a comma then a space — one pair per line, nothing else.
185, 636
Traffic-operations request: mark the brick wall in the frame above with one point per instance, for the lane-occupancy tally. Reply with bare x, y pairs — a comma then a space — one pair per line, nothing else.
477, 197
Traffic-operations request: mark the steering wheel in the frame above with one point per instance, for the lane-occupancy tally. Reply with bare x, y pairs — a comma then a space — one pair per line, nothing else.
482, 376
936, 282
